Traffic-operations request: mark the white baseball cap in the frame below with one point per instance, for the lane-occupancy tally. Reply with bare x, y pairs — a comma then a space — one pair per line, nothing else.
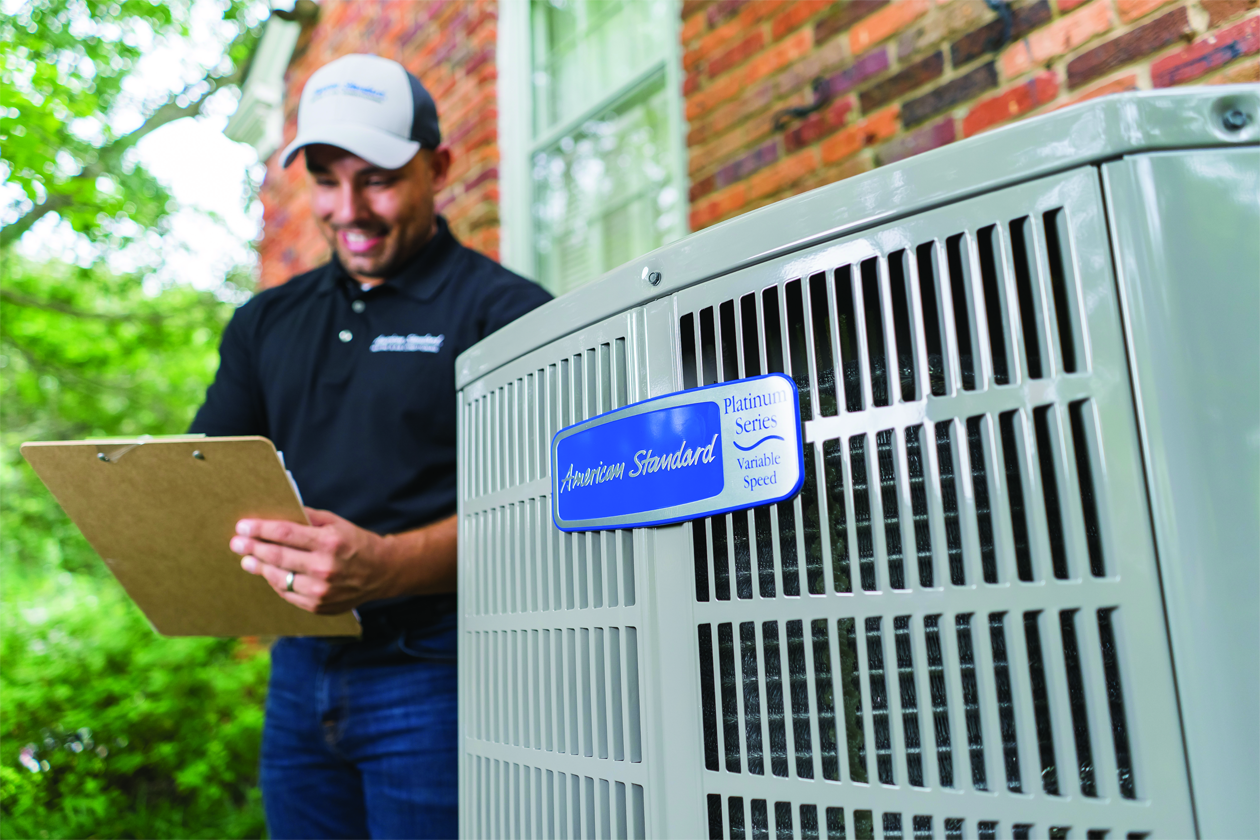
369, 106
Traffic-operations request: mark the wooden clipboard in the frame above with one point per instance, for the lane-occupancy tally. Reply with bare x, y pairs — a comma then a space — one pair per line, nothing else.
160, 513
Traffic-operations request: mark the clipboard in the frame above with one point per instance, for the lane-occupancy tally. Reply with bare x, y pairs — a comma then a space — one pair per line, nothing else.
161, 511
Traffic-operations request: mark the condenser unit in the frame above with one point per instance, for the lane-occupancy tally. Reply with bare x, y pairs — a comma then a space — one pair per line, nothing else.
1017, 593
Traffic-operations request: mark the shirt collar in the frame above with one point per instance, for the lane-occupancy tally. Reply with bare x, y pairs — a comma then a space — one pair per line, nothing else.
421, 277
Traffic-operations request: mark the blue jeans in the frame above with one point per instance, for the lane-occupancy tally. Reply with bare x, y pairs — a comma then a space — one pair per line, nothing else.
360, 737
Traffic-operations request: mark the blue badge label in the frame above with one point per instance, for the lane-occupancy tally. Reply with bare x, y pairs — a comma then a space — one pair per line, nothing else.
695, 453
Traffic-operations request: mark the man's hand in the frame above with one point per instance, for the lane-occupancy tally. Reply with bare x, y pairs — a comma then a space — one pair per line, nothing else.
337, 565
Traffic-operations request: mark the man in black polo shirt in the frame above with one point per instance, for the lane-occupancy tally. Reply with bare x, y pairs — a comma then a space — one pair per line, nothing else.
349, 369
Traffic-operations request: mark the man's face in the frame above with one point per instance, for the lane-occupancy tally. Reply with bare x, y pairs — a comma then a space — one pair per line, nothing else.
375, 219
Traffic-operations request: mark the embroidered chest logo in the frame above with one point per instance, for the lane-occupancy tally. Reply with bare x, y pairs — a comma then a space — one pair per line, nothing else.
407, 343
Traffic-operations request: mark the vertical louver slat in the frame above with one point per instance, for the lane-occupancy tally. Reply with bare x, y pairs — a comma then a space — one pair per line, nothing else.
700, 557
971, 702
948, 471
908, 348
1085, 448
824, 696
775, 717
1011, 426
728, 341
811, 524
981, 465
1005, 701
1031, 302
599, 682
908, 697
715, 817
634, 724
862, 519
708, 698
742, 550
729, 693
960, 323
1079, 702
875, 320
1064, 290
836, 516
798, 682
937, 681
1049, 438
886, 455
929, 305
798, 355
721, 559
849, 335
851, 690
753, 716
1112, 671
996, 308
879, 700
918, 492
822, 338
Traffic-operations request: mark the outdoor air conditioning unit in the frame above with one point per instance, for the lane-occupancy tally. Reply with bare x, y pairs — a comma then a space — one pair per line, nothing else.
1017, 593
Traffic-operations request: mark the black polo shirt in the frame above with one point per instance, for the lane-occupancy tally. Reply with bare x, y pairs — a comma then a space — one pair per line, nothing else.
357, 388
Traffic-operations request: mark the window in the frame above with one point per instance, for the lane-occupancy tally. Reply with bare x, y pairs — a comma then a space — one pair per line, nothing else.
591, 135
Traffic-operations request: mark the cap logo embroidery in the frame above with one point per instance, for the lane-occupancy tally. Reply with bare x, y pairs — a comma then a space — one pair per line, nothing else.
407, 343
349, 89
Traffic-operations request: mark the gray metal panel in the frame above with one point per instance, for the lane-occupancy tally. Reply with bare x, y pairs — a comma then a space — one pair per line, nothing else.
1187, 238
1022, 381
936, 638
1098, 130
551, 625
1026, 418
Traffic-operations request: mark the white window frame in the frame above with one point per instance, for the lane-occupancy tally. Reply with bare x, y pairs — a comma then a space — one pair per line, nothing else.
517, 145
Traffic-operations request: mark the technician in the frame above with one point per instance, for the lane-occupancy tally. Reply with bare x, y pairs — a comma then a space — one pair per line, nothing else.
350, 370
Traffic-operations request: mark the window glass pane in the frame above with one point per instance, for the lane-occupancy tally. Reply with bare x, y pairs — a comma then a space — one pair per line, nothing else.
605, 192
584, 50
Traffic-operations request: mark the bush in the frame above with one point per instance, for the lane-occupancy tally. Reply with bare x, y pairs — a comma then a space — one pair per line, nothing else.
109, 730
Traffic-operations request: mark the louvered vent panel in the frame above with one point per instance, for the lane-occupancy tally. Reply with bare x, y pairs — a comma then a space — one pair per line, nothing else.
551, 650
942, 608
955, 629
524, 563
509, 799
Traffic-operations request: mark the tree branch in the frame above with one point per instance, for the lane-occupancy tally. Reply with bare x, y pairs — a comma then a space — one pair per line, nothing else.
110, 154
11, 233
60, 371
19, 299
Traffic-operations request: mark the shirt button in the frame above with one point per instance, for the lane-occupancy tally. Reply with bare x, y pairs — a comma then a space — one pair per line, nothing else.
358, 306
345, 335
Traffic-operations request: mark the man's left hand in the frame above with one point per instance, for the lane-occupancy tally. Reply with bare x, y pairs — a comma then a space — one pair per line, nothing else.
336, 565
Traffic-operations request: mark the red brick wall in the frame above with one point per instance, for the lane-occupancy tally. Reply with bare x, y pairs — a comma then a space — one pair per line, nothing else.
911, 75
907, 76
450, 46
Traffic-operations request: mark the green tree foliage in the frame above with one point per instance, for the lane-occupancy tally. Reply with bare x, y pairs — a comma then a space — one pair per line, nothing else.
106, 729
86, 353
110, 731
68, 120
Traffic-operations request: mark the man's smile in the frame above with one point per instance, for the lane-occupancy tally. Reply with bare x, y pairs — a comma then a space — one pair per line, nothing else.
358, 242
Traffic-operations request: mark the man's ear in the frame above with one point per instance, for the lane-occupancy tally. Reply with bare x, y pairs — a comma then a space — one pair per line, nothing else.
440, 165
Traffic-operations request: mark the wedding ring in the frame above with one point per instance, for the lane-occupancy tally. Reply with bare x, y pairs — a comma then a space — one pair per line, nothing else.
288, 581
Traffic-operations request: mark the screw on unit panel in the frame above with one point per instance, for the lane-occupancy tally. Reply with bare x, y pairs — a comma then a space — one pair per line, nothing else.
1235, 119
654, 278
102, 456
197, 454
